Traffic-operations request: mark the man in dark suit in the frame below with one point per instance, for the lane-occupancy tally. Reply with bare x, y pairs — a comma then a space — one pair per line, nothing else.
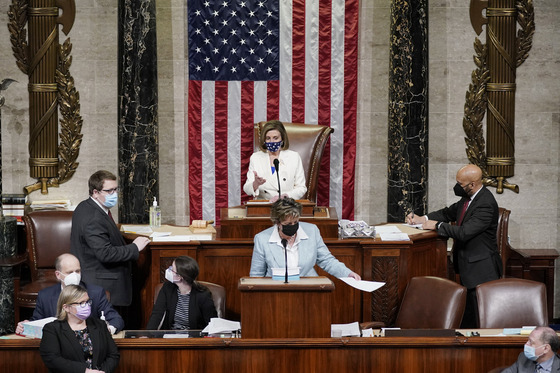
539, 354
68, 272
475, 251
97, 242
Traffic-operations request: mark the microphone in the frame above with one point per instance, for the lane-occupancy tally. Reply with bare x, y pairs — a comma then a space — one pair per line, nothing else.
284, 243
277, 166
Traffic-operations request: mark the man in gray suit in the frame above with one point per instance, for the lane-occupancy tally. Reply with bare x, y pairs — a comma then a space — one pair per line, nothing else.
539, 354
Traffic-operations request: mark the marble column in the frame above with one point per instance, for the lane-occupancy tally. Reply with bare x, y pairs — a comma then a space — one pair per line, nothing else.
138, 110
8, 245
408, 109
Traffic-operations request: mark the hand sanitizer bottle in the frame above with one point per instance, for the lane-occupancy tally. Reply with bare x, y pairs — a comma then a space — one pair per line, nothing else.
155, 215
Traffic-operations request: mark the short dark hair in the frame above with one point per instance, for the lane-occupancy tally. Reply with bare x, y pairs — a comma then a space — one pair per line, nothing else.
273, 125
97, 179
284, 208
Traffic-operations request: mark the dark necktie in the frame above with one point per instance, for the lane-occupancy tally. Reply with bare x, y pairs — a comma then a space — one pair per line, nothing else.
465, 205
111, 215
538, 368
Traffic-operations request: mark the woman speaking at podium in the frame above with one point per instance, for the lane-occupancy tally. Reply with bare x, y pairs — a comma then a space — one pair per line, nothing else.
262, 177
303, 242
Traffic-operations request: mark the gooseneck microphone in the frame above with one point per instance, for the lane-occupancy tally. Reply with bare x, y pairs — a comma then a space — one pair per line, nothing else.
277, 166
284, 243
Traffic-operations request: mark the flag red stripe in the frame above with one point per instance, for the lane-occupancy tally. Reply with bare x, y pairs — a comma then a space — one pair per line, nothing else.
247, 125
195, 149
273, 100
298, 61
220, 146
350, 104
324, 104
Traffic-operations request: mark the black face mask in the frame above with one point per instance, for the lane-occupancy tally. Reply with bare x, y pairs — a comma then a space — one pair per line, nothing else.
290, 230
459, 191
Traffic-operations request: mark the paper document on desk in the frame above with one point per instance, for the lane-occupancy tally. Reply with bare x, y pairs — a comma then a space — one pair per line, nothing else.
380, 229
218, 325
394, 236
417, 226
363, 285
345, 330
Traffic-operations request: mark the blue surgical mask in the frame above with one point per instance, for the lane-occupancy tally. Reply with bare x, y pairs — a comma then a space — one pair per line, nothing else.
111, 200
273, 146
529, 352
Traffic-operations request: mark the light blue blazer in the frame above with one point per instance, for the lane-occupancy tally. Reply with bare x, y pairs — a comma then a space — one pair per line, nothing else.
312, 250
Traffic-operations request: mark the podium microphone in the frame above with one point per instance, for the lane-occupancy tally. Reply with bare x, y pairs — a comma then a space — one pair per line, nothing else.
284, 243
277, 166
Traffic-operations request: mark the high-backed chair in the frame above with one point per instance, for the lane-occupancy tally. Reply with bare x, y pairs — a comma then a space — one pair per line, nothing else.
47, 236
309, 141
502, 238
432, 303
511, 303
218, 296
429, 303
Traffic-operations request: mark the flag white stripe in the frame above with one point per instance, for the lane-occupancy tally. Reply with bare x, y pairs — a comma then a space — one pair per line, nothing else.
311, 61
208, 150
260, 97
234, 143
285, 40
337, 103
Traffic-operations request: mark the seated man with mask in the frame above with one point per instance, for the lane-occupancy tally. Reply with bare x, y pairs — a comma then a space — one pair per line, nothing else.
68, 272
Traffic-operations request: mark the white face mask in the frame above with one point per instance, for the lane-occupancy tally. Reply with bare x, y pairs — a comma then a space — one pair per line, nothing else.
72, 279
170, 276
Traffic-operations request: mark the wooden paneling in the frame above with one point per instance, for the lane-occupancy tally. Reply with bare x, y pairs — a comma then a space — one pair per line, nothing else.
382, 354
225, 261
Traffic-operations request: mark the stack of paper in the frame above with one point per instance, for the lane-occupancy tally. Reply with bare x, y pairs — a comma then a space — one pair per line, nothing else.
391, 233
34, 329
346, 330
218, 325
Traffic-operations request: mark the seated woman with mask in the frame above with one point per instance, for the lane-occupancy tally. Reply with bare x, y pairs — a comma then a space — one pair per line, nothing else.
303, 242
182, 302
76, 342
262, 177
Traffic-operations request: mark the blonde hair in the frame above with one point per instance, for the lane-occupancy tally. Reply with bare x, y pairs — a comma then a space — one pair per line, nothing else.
69, 294
284, 208
273, 125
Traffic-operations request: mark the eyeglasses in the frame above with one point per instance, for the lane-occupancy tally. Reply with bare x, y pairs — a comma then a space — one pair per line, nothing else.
83, 304
110, 191
171, 269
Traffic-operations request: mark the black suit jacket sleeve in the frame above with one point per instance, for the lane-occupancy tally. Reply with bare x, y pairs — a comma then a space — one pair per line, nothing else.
61, 351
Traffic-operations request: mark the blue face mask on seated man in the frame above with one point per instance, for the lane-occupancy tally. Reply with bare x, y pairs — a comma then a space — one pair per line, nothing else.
530, 353
273, 146
111, 200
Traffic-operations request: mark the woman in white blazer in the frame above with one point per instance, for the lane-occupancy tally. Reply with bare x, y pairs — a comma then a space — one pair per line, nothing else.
303, 242
262, 178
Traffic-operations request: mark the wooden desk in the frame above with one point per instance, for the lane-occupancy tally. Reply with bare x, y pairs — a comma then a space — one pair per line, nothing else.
274, 309
225, 261
359, 355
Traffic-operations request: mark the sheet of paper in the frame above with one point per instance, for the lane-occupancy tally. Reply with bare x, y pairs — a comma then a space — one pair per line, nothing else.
417, 226
380, 229
160, 234
363, 285
394, 236
186, 335
139, 229
346, 330
218, 325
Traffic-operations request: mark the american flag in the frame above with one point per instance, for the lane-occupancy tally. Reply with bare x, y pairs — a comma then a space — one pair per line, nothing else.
251, 61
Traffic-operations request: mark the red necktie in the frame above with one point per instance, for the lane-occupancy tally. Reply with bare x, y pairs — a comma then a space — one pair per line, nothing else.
465, 205
111, 215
